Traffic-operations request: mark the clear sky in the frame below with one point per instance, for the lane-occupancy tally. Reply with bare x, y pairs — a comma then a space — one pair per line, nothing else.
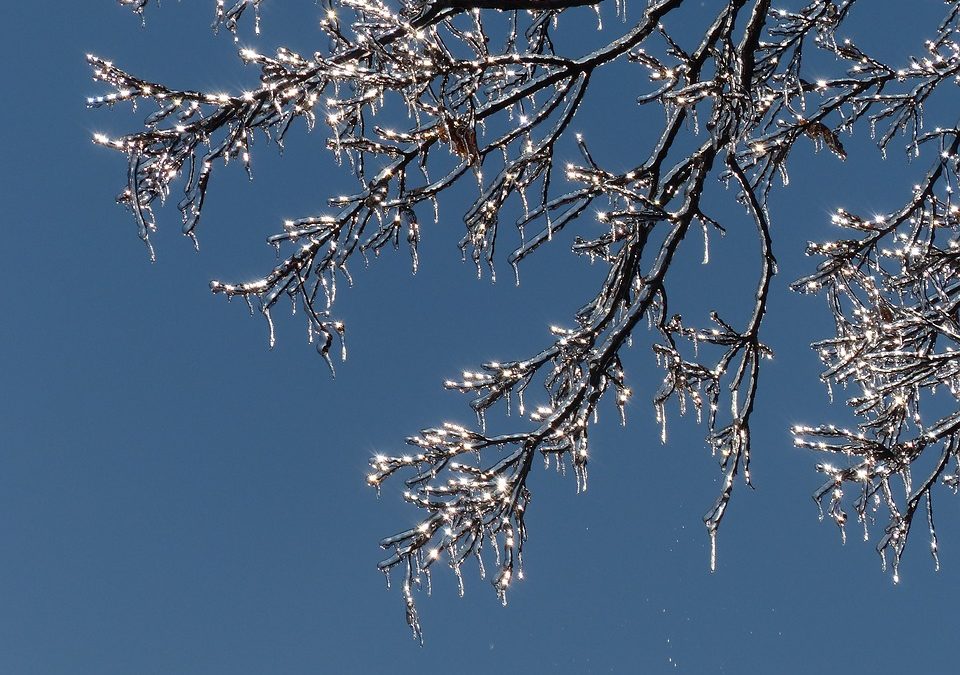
175, 497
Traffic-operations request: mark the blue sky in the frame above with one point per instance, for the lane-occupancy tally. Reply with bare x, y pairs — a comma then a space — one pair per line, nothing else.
177, 498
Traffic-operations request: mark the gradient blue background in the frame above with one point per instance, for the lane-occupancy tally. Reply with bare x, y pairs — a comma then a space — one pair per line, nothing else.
177, 498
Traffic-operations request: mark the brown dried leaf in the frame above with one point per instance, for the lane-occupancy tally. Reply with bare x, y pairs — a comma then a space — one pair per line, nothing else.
820, 133
462, 137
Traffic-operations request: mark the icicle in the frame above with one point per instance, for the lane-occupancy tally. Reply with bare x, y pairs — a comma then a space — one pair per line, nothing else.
459, 574
415, 259
706, 243
479, 556
412, 619
273, 337
580, 471
343, 341
325, 354
784, 176
933, 533
502, 594
662, 419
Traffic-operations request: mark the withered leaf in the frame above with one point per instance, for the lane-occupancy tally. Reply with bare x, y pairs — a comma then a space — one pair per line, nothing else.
462, 137
820, 133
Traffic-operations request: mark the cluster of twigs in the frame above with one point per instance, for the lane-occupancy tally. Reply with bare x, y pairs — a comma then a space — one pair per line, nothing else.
421, 96
892, 287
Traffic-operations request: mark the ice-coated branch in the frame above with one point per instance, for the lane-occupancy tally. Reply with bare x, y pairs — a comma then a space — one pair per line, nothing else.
894, 292
419, 97
892, 288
